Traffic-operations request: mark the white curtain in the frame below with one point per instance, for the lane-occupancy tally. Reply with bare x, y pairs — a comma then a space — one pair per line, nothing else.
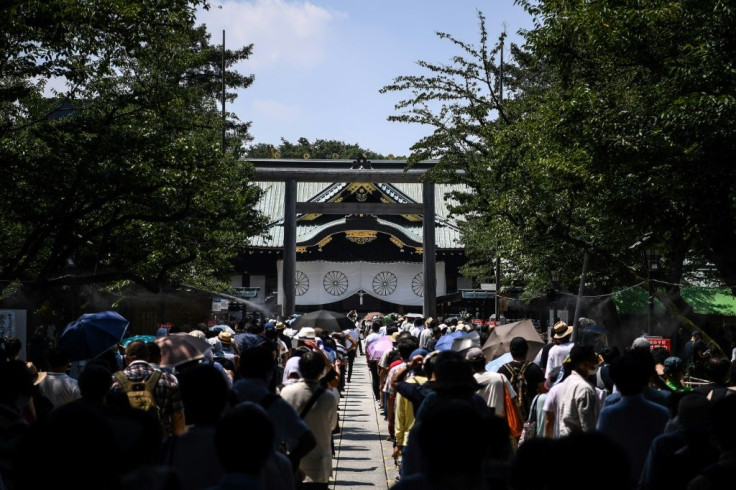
323, 282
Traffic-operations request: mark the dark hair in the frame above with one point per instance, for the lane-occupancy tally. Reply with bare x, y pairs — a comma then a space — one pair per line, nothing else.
204, 393
717, 369
58, 356
244, 439
95, 382
518, 347
137, 349
645, 357
452, 372
255, 328
406, 346
428, 365
311, 365
376, 326
17, 381
581, 353
154, 352
329, 343
630, 374
256, 362
609, 353
12, 347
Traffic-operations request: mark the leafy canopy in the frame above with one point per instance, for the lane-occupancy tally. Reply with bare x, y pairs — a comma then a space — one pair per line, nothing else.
111, 136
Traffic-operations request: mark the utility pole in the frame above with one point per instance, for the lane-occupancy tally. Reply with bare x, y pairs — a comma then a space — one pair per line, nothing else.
578, 304
498, 242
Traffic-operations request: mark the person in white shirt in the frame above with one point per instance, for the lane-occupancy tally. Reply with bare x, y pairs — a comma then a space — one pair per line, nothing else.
559, 352
318, 408
58, 386
492, 384
577, 402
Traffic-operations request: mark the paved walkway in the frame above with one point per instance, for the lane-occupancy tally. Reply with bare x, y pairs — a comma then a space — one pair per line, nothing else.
363, 456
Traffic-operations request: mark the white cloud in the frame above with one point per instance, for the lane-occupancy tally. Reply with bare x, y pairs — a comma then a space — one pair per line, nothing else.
282, 32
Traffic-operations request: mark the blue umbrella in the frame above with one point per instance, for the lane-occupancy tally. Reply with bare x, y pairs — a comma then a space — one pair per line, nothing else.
142, 338
222, 328
496, 364
92, 334
445, 342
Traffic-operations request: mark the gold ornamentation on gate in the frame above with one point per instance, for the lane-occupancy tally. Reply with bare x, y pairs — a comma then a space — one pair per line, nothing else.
324, 241
361, 237
397, 242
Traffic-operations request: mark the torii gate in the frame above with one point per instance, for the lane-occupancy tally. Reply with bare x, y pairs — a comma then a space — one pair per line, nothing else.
382, 171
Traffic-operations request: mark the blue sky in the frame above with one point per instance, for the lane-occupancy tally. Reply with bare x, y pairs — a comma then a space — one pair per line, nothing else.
319, 64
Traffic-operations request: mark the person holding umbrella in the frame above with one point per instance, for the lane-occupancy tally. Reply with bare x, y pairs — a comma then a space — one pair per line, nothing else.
166, 392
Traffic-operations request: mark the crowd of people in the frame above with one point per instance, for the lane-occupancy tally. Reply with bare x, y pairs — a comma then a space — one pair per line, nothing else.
259, 410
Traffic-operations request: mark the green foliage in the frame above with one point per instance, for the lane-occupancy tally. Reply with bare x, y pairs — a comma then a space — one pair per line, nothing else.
120, 175
650, 88
303, 148
616, 123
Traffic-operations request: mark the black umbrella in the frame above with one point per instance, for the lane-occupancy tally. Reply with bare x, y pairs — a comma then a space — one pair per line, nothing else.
329, 321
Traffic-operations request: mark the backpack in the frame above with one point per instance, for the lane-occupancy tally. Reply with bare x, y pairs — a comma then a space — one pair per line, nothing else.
141, 393
517, 379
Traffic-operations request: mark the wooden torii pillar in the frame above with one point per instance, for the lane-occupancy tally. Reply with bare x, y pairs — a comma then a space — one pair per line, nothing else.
383, 171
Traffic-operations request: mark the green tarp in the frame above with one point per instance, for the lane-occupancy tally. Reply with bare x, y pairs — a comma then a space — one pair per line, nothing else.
704, 301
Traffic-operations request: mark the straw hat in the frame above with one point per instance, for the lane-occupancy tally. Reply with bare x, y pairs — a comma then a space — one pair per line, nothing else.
36, 375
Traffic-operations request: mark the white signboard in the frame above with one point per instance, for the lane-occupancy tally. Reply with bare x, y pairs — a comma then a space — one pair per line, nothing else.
220, 304
13, 324
322, 282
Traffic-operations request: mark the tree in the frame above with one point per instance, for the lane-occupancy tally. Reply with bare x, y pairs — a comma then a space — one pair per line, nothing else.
120, 174
650, 87
303, 148
528, 199
616, 131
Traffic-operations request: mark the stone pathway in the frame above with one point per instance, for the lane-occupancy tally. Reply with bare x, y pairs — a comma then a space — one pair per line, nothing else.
363, 456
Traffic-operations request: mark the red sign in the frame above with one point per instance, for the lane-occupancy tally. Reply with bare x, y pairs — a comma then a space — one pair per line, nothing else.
659, 342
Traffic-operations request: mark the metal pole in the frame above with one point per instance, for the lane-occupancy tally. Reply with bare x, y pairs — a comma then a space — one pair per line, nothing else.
498, 284
650, 300
578, 304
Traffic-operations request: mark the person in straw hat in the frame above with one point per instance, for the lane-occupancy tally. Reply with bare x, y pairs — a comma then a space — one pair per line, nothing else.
558, 353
